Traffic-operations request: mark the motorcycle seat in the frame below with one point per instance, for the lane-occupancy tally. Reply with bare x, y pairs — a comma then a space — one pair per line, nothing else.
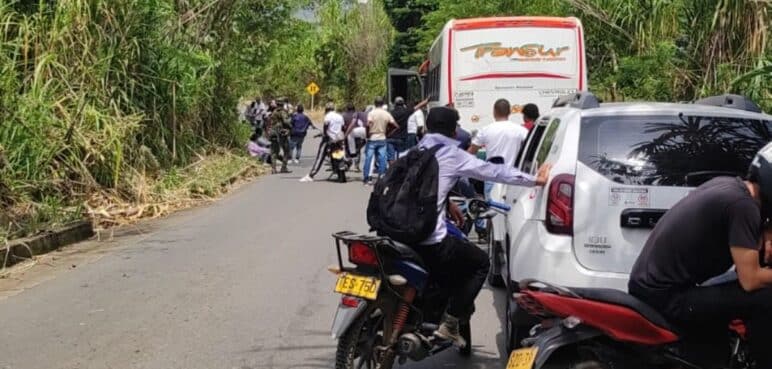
617, 297
405, 252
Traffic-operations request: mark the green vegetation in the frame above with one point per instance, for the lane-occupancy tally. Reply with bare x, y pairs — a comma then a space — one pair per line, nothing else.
637, 49
111, 101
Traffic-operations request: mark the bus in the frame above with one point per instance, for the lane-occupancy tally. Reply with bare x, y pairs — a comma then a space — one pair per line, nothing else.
475, 62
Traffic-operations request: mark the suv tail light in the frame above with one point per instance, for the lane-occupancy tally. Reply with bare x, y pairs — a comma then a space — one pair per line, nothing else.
560, 205
362, 254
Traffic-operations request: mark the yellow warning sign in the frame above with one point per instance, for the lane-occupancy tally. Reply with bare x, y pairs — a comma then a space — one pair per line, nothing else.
312, 88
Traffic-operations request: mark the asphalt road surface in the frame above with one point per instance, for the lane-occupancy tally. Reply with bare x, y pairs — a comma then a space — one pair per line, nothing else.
241, 283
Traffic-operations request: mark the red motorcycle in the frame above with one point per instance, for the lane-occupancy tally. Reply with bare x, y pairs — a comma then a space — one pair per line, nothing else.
599, 328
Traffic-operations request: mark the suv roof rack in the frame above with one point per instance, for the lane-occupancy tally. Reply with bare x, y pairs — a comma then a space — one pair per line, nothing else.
731, 101
580, 100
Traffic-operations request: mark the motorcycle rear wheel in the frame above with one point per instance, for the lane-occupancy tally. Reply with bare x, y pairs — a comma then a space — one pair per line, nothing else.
356, 348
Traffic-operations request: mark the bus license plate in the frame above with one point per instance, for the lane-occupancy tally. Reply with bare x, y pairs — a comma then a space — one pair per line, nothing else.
522, 358
359, 286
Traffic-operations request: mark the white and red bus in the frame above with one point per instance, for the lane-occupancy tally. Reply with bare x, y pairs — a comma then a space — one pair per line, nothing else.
475, 62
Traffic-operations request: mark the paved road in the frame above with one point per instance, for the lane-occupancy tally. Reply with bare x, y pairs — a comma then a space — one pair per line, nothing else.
241, 283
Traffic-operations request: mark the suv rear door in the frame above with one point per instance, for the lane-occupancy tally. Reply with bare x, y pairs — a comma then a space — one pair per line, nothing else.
632, 168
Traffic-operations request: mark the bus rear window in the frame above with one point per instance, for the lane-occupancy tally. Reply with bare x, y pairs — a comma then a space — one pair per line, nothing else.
670, 150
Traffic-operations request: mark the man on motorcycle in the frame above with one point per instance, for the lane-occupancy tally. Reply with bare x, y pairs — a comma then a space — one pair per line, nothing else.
717, 225
453, 262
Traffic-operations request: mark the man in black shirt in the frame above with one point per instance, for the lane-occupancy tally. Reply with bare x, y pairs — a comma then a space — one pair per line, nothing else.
717, 225
398, 138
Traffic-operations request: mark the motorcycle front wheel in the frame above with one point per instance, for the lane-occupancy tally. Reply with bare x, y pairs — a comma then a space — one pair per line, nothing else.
358, 347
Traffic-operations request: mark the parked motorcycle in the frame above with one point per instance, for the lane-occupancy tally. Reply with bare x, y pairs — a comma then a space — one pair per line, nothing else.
599, 328
390, 306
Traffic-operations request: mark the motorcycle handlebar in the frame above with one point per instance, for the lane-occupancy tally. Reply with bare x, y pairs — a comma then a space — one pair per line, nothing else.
499, 205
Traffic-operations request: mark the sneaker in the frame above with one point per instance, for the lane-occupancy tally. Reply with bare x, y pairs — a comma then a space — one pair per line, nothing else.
448, 331
307, 178
296, 161
285, 170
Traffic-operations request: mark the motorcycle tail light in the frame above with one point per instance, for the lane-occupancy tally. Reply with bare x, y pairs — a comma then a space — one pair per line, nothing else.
530, 305
349, 301
360, 253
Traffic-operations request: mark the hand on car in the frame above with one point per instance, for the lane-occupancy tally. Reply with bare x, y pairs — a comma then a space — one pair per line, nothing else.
543, 175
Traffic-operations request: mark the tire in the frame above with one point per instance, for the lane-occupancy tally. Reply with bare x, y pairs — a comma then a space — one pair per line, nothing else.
495, 279
466, 332
365, 333
513, 332
591, 364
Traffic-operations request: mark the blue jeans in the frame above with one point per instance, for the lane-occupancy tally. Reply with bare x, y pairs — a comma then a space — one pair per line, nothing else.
379, 149
296, 146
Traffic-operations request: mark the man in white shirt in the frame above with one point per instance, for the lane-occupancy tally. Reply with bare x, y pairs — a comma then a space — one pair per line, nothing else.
333, 131
501, 139
414, 122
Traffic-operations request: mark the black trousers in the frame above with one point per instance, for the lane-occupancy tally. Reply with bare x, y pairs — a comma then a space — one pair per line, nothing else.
459, 266
704, 314
321, 154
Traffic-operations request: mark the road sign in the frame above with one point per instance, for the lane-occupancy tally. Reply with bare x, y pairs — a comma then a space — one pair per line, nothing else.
312, 88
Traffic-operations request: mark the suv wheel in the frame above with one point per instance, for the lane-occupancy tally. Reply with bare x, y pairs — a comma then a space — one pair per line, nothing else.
515, 332
495, 279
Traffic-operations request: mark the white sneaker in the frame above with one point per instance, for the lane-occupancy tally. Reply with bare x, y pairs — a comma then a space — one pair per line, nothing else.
307, 178
297, 161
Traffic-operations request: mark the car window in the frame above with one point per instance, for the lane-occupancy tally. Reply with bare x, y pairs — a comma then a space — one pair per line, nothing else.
670, 150
530, 151
547, 141
527, 139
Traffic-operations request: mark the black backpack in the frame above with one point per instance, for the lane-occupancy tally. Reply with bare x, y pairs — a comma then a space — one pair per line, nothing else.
403, 205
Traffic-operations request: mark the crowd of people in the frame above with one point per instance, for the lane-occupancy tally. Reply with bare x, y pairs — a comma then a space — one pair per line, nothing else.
375, 136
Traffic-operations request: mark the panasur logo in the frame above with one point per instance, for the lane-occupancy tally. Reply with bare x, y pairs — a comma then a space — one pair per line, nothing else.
494, 49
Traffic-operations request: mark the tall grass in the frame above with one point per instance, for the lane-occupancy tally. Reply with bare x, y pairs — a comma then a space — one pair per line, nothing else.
93, 93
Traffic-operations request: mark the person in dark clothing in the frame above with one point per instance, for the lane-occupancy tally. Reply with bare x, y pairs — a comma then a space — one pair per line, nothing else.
300, 125
397, 138
717, 225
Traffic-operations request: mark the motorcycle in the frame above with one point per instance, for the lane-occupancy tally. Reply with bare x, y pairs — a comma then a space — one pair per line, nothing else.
599, 328
338, 160
390, 306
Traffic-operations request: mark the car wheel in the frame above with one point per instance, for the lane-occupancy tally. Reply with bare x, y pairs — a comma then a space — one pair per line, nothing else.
515, 332
495, 279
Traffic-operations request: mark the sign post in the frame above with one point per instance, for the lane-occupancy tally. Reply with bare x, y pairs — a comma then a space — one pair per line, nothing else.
312, 89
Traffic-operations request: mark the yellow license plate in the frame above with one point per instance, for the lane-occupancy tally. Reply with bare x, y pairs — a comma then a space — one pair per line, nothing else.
359, 286
522, 358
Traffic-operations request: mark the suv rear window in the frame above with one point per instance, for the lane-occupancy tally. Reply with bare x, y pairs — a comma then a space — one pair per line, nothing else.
670, 150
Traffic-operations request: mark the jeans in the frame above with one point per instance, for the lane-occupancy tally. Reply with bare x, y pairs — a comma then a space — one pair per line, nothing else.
395, 146
703, 314
296, 146
461, 267
379, 149
412, 141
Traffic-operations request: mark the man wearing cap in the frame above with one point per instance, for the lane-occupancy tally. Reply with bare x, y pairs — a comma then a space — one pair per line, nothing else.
279, 130
456, 263
398, 138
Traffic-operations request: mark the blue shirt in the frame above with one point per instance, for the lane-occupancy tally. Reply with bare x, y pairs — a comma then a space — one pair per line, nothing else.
454, 164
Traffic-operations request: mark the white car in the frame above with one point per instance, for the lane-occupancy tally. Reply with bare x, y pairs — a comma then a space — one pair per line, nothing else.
616, 169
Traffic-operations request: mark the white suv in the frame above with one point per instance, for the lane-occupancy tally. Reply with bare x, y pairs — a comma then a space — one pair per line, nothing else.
616, 169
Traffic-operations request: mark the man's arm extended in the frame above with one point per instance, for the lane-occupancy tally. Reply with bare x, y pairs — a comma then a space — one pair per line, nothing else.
470, 166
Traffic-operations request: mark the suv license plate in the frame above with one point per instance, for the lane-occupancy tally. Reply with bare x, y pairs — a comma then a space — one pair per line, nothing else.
359, 286
522, 358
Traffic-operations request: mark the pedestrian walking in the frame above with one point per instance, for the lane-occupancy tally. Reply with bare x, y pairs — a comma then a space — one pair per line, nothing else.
378, 122
300, 125
356, 136
279, 131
